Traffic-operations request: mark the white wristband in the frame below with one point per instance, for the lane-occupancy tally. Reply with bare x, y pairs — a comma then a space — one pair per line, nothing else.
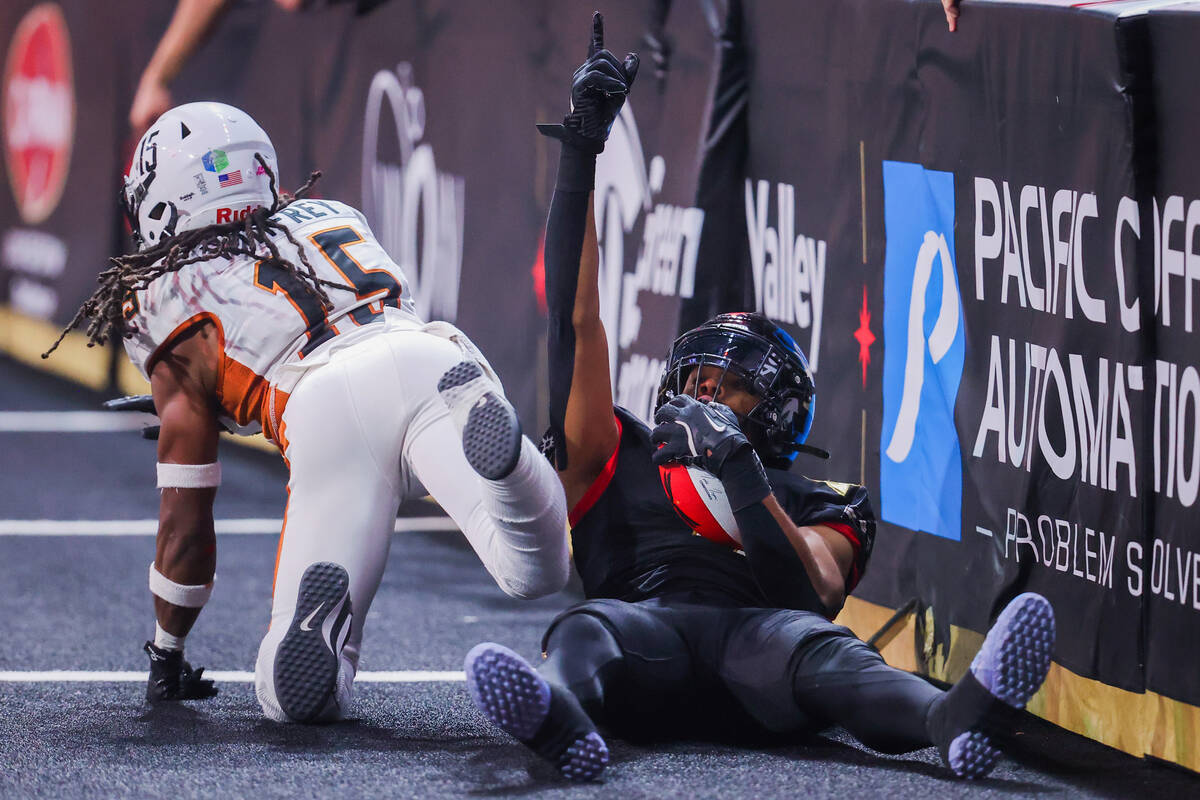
189, 476
176, 593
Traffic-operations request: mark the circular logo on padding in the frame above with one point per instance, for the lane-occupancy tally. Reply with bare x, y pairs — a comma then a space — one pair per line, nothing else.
38, 111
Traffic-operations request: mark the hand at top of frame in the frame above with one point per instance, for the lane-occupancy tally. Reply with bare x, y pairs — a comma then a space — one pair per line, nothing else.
952, 12
598, 90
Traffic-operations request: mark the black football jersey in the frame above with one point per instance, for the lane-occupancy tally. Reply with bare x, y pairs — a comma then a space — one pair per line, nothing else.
630, 543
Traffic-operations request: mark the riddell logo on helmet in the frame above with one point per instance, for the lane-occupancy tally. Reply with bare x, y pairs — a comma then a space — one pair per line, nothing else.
234, 214
39, 106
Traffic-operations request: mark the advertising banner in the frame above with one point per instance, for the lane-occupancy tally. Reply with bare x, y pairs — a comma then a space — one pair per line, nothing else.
1171, 552
983, 241
438, 138
57, 215
960, 286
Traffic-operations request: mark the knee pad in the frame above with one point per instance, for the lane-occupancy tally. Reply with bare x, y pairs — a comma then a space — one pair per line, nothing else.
581, 633
582, 655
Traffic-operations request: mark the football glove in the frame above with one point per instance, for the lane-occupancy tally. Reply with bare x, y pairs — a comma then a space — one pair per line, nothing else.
707, 435
598, 90
136, 402
172, 678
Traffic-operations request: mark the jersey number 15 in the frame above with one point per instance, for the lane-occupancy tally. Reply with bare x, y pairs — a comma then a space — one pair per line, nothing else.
377, 284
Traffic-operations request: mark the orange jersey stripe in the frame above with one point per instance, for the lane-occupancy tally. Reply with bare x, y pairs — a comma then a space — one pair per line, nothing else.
241, 391
181, 329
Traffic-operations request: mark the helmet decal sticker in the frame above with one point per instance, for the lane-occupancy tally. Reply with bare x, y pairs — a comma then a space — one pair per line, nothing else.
215, 160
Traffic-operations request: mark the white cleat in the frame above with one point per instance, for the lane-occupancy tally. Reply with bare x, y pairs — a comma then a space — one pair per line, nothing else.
491, 431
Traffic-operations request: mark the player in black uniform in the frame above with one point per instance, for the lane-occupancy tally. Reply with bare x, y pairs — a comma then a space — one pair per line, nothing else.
680, 632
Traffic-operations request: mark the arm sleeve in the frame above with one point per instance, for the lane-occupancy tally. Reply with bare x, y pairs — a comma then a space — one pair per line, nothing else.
565, 231
777, 568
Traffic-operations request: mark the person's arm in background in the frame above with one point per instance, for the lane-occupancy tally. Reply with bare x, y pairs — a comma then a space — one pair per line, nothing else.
189, 27
581, 415
952, 12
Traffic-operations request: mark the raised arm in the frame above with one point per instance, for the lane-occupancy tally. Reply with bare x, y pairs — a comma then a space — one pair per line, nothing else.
185, 554
189, 27
581, 416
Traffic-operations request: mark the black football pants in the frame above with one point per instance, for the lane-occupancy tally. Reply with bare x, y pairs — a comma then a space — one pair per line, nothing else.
673, 666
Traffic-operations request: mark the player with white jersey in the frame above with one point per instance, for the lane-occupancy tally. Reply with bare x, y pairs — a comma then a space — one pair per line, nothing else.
271, 328
250, 310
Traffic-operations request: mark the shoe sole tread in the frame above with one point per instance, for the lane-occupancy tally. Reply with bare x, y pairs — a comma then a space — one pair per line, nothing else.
491, 437
1011, 665
306, 668
510, 693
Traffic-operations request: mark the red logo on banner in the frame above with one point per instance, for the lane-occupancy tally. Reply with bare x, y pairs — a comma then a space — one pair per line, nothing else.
39, 111
864, 336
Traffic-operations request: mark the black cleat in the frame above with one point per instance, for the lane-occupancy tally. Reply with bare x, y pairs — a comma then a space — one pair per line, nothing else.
1008, 669
491, 431
306, 663
172, 678
546, 718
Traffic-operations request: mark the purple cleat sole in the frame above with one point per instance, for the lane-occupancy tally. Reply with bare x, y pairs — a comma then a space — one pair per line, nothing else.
516, 699
1011, 666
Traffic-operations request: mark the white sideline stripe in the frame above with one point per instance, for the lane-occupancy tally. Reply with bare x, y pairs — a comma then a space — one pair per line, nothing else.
225, 676
149, 527
73, 421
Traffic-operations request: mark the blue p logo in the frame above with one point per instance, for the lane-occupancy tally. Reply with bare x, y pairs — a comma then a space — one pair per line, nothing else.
920, 464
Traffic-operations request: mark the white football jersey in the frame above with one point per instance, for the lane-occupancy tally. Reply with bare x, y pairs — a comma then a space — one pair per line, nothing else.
272, 326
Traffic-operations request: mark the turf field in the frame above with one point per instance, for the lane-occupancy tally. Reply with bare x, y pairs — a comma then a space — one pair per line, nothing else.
73, 598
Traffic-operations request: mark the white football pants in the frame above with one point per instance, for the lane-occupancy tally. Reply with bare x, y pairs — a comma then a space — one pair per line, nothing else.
365, 432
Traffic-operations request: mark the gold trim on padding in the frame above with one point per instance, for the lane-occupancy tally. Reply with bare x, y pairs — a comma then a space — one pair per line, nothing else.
1142, 724
25, 338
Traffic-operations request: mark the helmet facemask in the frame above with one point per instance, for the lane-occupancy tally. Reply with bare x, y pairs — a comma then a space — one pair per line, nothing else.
137, 185
773, 372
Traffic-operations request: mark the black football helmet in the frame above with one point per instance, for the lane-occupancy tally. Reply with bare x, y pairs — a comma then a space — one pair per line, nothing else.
768, 362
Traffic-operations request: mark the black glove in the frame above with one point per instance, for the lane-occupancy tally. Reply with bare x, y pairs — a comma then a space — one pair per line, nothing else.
598, 91
172, 678
707, 435
136, 402
133, 402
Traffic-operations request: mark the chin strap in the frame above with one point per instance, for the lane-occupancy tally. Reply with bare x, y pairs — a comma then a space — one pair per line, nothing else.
809, 449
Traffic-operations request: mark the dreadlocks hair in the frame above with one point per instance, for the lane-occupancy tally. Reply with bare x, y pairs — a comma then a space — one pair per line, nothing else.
248, 237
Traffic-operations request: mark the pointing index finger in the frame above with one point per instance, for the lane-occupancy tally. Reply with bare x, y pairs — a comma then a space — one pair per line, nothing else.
597, 43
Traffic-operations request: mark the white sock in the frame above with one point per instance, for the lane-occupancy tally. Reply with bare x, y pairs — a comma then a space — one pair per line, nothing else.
528, 492
167, 641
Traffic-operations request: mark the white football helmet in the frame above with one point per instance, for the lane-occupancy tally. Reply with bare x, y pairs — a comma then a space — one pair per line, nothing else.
194, 167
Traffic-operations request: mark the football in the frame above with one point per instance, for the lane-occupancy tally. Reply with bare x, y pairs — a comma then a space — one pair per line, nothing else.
699, 498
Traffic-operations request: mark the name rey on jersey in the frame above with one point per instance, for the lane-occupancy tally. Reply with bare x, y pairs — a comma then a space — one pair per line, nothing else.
271, 323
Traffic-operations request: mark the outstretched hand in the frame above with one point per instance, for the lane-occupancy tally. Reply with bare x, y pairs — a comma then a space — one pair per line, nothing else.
598, 90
